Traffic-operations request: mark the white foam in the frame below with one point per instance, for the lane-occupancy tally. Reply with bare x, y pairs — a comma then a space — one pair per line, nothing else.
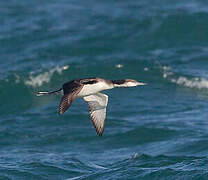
135, 156
45, 77
146, 69
119, 66
166, 71
17, 78
198, 83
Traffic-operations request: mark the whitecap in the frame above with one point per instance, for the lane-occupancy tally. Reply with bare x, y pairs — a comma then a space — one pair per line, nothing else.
38, 80
166, 71
146, 69
119, 66
17, 78
196, 82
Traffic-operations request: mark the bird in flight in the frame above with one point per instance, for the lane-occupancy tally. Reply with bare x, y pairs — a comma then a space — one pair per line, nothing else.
89, 89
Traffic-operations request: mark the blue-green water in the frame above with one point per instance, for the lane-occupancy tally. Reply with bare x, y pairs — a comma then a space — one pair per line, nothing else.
159, 131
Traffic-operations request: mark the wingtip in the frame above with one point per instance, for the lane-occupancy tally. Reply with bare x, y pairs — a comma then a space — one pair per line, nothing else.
100, 134
60, 112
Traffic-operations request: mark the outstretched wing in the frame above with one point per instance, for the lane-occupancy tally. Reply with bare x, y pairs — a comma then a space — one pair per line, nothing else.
71, 90
97, 105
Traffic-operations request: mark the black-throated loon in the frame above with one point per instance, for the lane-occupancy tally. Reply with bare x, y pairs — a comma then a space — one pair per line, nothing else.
89, 89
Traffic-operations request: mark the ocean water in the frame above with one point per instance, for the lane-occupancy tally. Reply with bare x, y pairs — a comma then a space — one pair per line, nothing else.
158, 131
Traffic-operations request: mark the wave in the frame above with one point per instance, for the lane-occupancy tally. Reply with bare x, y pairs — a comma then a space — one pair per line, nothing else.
38, 80
199, 83
144, 166
194, 82
35, 79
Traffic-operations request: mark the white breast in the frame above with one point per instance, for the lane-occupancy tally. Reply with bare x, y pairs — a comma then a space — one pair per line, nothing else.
89, 89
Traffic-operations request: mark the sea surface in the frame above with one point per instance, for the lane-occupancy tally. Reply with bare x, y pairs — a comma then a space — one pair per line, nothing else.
153, 132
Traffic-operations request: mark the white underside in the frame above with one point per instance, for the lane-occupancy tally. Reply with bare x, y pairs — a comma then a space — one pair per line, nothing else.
90, 89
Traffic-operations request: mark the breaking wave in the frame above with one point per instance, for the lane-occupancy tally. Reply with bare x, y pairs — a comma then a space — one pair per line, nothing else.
38, 80
198, 83
195, 82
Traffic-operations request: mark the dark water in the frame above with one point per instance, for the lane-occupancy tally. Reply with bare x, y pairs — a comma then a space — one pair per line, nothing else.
159, 131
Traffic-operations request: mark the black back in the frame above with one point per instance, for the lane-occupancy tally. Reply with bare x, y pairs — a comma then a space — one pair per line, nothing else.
71, 86
118, 81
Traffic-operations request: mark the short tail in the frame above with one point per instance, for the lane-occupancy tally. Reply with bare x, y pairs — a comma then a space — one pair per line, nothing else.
51, 92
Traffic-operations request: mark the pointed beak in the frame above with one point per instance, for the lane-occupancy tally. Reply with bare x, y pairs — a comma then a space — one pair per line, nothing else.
141, 84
